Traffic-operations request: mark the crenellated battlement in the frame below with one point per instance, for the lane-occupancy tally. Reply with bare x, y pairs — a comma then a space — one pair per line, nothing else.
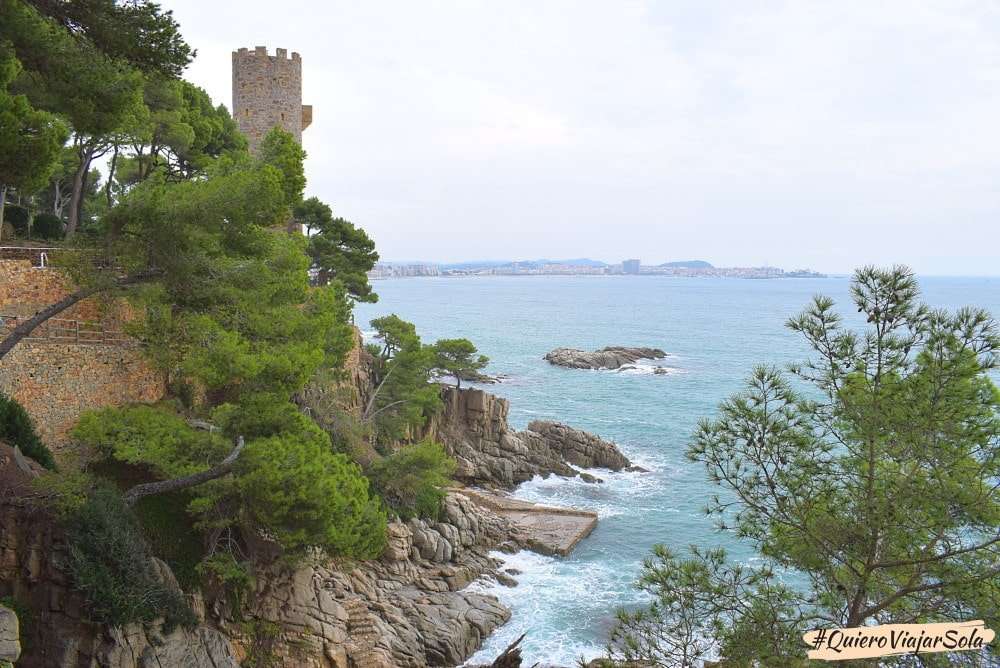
261, 51
267, 93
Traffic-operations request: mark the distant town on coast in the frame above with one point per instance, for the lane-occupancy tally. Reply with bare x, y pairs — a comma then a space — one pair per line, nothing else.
581, 267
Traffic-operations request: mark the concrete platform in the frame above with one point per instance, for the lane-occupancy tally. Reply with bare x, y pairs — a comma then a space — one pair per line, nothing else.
547, 529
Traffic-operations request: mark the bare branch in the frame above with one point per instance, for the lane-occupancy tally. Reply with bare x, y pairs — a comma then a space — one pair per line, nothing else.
162, 486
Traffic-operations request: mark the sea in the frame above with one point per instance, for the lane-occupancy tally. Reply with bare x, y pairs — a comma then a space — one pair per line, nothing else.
715, 331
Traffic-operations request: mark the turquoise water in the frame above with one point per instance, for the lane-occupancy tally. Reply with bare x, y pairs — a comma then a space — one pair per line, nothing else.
715, 331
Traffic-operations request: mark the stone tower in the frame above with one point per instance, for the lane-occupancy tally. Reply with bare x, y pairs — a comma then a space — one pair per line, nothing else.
267, 92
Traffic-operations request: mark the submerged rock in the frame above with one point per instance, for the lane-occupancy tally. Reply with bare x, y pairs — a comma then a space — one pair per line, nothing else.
612, 357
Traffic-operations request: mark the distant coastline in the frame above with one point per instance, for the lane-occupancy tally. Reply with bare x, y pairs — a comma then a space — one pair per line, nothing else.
581, 267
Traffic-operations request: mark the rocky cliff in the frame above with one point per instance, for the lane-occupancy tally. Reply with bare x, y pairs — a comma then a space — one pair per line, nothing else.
406, 609
409, 608
474, 430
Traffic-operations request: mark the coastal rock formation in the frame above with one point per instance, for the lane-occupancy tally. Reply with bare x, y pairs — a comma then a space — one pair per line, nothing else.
59, 634
545, 529
412, 607
10, 640
473, 429
581, 448
612, 357
405, 609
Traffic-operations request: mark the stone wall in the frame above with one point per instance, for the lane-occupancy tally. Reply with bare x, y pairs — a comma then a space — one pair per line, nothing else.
267, 93
56, 381
25, 289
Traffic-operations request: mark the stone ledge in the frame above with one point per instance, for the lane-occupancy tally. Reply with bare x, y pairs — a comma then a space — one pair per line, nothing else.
550, 530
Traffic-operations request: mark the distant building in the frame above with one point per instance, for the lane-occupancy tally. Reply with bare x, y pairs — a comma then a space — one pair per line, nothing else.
267, 93
630, 266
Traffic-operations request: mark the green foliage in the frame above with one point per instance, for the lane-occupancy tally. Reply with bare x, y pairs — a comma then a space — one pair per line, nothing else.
68, 75
179, 136
111, 565
288, 481
457, 357
404, 397
394, 332
699, 605
65, 491
339, 250
877, 484
30, 139
17, 429
146, 435
137, 32
306, 495
263, 635
280, 150
234, 309
172, 535
47, 226
414, 478
17, 217
234, 577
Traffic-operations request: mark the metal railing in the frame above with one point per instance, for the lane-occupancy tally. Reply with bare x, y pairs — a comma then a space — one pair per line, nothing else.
60, 330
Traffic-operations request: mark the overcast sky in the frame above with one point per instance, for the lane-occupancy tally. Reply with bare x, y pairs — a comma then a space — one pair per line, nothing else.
819, 134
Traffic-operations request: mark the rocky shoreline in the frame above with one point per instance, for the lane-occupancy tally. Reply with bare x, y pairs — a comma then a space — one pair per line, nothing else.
409, 608
611, 357
474, 430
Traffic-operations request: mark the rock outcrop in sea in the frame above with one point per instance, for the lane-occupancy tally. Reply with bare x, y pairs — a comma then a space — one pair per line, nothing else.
611, 357
473, 429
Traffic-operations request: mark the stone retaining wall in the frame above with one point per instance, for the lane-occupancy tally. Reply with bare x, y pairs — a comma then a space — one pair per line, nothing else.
56, 382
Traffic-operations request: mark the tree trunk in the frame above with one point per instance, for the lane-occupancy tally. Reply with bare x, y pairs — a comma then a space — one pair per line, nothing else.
53, 310
3, 201
111, 174
86, 155
50, 311
163, 486
58, 199
511, 657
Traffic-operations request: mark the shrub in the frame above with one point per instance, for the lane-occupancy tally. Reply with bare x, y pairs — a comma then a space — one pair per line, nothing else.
111, 565
17, 216
412, 480
305, 495
171, 533
148, 436
234, 577
47, 226
17, 429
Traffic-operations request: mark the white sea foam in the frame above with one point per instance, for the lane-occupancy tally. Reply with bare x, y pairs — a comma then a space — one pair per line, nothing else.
618, 494
641, 369
533, 604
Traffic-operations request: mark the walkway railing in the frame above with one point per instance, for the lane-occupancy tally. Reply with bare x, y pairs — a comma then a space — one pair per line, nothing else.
60, 330
37, 255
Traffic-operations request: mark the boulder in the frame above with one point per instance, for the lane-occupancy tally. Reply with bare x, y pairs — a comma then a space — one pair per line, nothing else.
10, 640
